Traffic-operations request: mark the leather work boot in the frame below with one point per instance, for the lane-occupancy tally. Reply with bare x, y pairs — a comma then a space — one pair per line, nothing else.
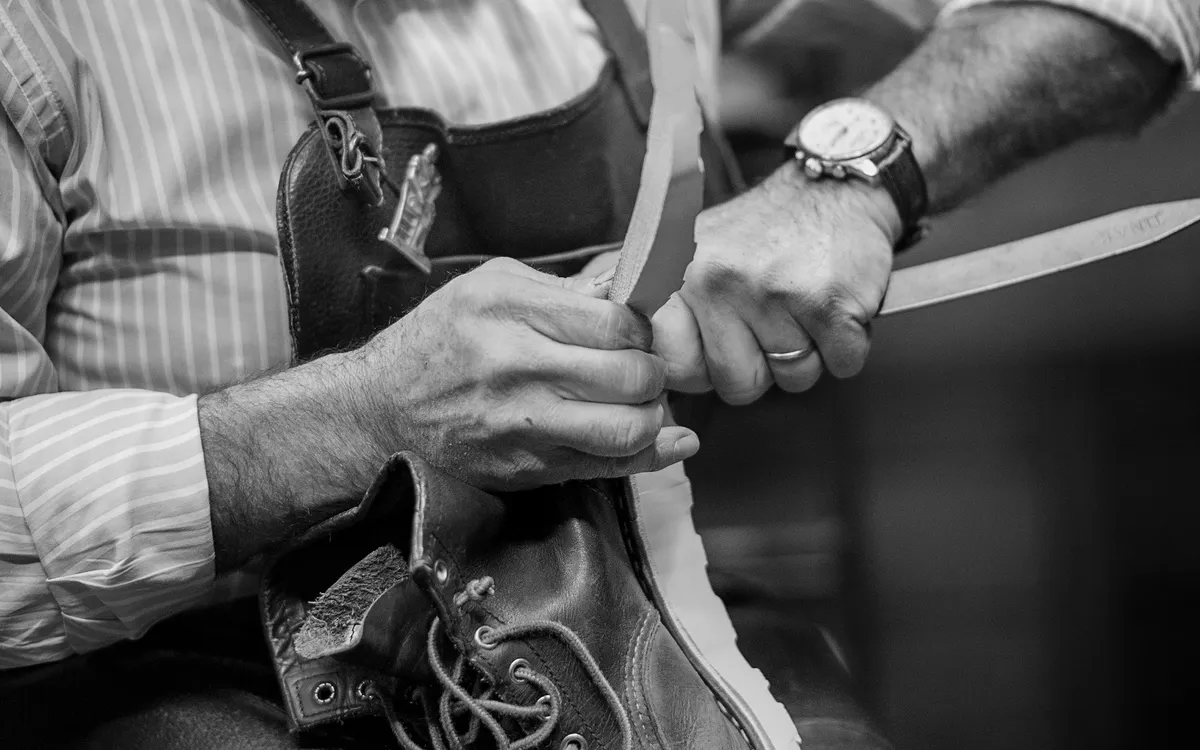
522, 621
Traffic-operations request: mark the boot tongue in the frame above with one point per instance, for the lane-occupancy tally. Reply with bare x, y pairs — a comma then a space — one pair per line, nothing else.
334, 617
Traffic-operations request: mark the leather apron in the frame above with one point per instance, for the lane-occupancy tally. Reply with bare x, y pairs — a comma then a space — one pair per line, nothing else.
552, 189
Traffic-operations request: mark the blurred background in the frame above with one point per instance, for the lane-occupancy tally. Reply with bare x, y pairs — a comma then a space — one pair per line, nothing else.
1000, 514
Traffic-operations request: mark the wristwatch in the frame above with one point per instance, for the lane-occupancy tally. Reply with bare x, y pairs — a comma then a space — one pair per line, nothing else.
853, 138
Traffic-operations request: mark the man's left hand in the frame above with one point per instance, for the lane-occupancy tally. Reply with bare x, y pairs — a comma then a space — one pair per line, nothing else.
789, 265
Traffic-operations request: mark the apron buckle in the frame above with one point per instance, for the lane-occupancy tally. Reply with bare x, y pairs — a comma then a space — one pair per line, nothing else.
357, 164
341, 86
415, 210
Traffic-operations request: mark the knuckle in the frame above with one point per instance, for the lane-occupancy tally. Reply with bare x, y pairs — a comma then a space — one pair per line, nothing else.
777, 287
748, 386
506, 363
644, 377
638, 330
478, 286
716, 277
824, 305
627, 435
498, 425
609, 326
619, 327
501, 265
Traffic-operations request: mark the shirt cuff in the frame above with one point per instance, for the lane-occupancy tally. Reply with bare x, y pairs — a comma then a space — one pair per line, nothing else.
114, 494
1171, 27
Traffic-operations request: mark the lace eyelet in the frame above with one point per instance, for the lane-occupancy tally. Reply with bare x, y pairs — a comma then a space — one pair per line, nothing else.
483, 633
573, 742
324, 693
441, 572
547, 704
514, 666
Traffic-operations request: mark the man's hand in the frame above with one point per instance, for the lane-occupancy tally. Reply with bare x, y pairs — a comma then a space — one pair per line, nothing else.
793, 264
505, 377
510, 378
788, 265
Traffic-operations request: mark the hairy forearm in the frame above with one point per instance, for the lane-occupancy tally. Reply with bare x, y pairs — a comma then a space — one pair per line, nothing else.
996, 86
285, 451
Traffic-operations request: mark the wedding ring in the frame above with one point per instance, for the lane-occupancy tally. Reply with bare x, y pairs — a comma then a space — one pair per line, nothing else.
789, 356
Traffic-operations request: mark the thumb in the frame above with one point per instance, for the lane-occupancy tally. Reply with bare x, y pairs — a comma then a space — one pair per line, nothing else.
673, 444
677, 339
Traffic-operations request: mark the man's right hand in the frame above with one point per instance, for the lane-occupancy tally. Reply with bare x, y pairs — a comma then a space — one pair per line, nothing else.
510, 378
506, 378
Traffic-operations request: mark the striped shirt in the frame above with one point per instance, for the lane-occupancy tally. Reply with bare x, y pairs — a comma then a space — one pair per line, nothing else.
139, 157
1172, 27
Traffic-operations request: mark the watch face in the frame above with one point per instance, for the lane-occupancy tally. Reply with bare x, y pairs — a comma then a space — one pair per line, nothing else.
844, 129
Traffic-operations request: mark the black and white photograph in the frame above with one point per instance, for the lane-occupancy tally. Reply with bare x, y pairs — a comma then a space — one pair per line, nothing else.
599, 374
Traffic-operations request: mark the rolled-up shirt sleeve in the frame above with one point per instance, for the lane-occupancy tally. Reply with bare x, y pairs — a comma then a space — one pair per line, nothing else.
1171, 27
104, 515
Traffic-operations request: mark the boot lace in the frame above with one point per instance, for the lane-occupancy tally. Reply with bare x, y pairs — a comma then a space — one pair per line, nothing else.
443, 715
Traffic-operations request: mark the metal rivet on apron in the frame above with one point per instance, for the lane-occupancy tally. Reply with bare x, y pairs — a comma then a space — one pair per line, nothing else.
324, 693
441, 572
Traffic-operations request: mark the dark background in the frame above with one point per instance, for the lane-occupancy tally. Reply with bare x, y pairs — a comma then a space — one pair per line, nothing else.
1001, 510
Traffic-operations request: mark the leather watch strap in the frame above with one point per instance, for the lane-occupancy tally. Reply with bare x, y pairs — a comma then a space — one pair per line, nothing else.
905, 184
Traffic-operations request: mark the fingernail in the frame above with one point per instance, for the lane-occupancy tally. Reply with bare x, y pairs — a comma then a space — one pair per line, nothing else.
605, 277
686, 446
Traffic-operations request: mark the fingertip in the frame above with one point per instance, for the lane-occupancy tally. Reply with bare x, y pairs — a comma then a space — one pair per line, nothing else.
686, 447
679, 443
845, 363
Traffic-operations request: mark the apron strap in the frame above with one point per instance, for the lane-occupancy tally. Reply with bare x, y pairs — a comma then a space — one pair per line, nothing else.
627, 45
338, 82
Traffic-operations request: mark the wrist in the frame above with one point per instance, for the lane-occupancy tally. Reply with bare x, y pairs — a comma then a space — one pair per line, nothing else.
870, 202
862, 145
285, 451
362, 420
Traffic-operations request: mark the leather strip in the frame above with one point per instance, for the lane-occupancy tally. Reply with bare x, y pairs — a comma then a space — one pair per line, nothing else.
1043, 254
660, 241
